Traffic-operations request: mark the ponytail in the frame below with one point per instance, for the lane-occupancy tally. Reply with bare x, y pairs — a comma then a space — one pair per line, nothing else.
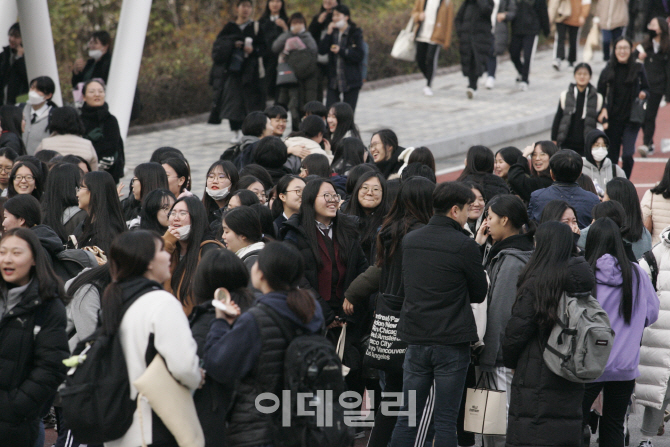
112, 303
302, 304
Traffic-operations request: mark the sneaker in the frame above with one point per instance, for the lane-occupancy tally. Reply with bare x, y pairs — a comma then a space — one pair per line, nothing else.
651, 152
645, 444
556, 64
237, 137
427, 91
643, 151
490, 82
523, 86
519, 79
471, 93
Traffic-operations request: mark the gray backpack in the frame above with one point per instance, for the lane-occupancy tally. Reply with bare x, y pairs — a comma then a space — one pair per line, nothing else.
580, 343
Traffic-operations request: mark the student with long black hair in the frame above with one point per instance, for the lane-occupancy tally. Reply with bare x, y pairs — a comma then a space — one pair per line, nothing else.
522, 180
505, 159
97, 196
623, 191
349, 153
538, 396
32, 335
369, 203
187, 239
222, 178
156, 207
243, 234
153, 324
254, 343
10, 129
178, 174
147, 177
60, 209
273, 22
479, 164
37, 112
384, 150
289, 198
341, 124
7, 158
614, 211
561, 211
627, 295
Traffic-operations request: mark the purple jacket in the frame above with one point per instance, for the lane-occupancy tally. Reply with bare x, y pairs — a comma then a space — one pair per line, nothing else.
625, 355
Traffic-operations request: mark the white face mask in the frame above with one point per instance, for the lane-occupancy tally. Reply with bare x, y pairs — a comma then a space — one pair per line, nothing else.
297, 29
341, 24
599, 153
95, 54
218, 194
35, 98
184, 232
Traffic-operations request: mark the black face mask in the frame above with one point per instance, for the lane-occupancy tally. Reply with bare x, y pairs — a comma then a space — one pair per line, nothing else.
652, 33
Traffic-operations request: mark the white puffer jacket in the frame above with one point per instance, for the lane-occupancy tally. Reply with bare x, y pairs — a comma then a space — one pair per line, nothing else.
654, 366
659, 209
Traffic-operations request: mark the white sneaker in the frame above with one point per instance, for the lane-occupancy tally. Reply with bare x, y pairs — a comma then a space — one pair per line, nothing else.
556, 64
645, 444
490, 82
519, 79
237, 137
427, 91
523, 86
643, 151
471, 93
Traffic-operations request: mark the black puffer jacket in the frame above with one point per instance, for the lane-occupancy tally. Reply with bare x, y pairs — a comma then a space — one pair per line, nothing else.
102, 129
522, 182
545, 409
492, 184
473, 25
531, 18
31, 367
94, 69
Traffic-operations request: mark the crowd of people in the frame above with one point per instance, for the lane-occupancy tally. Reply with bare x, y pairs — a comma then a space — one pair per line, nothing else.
321, 242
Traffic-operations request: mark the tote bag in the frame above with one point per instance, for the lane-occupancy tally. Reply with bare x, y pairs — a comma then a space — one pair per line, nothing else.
404, 48
385, 350
285, 74
485, 409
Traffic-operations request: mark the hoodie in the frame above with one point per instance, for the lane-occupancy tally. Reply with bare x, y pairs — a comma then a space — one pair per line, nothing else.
240, 344
625, 356
603, 174
50, 241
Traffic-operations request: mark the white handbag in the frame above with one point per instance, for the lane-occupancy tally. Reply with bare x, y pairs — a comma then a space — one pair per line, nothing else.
485, 410
340, 349
404, 48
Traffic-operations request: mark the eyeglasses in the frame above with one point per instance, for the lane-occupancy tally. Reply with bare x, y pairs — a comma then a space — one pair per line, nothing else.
5, 170
601, 146
20, 178
133, 180
328, 197
298, 192
181, 214
372, 146
213, 177
79, 188
375, 191
623, 49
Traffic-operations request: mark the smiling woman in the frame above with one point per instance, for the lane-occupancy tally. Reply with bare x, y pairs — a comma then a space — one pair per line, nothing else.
385, 151
25, 178
369, 203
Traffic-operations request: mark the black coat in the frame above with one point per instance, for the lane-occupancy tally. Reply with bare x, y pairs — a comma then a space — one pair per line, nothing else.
294, 233
244, 91
473, 25
14, 76
443, 274
31, 367
625, 94
351, 53
391, 166
522, 183
94, 69
545, 409
12, 141
492, 184
531, 18
102, 129
270, 59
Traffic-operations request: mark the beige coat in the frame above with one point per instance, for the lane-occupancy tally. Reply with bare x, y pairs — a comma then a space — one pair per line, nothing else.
443, 23
612, 13
71, 145
659, 209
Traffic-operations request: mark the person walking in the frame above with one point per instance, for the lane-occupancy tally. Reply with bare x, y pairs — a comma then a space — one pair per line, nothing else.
473, 25
544, 409
436, 319
597, 166
622, 82
625, 292
504, 12
656, 56
432, 19
568, 24
611, 16
531, 18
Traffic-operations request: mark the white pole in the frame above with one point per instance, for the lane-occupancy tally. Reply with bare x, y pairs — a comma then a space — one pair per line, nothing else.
38, 42
7, 19
125, 68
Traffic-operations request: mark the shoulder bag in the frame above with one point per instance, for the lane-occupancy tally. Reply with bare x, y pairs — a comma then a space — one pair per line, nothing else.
404, 48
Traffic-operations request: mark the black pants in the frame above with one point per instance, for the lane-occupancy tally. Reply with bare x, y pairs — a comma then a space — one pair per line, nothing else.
466, 438
649, 127
492, 62
525, 43
616, 397
559, 42
622, 134
426, 59
235, 125
350, 97
384, 424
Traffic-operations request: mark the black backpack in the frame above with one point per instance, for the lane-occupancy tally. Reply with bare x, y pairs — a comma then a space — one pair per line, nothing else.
311, 365
70, 262
96, 401
232, 154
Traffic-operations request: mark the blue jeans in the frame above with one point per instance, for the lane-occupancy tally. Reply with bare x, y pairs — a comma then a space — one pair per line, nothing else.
446, 367
609, 37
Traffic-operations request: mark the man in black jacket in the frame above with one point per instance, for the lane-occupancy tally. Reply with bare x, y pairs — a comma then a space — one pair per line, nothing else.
443, 275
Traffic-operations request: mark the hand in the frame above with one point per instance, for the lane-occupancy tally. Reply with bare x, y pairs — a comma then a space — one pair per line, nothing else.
248, 50
335, 48
501, 17
482, 233
79, 65
642, 95
299, 150
528, 150
326, 145
603, 116
422, 16
20, 51
575, 228
348, 307
119, 189
229, 318
331, 27
642, 55
203, 373
582, 20
280, 23
239, 44
335, 323
174, 231
322, 17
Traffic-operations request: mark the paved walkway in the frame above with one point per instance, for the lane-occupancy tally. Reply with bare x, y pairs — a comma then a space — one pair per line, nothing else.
448, 123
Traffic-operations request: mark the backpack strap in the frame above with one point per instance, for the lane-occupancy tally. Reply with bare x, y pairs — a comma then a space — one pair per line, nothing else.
653, 266
288, 331
614, 170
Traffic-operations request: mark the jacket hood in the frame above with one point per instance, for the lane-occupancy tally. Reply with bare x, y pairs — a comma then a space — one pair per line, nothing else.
608, 271
580, 278
277, 301
518, 243
590, 139
246, 140
49, 239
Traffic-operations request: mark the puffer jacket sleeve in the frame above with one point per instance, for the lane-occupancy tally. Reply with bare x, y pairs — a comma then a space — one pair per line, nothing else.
364, 285
521, 329
48, 372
